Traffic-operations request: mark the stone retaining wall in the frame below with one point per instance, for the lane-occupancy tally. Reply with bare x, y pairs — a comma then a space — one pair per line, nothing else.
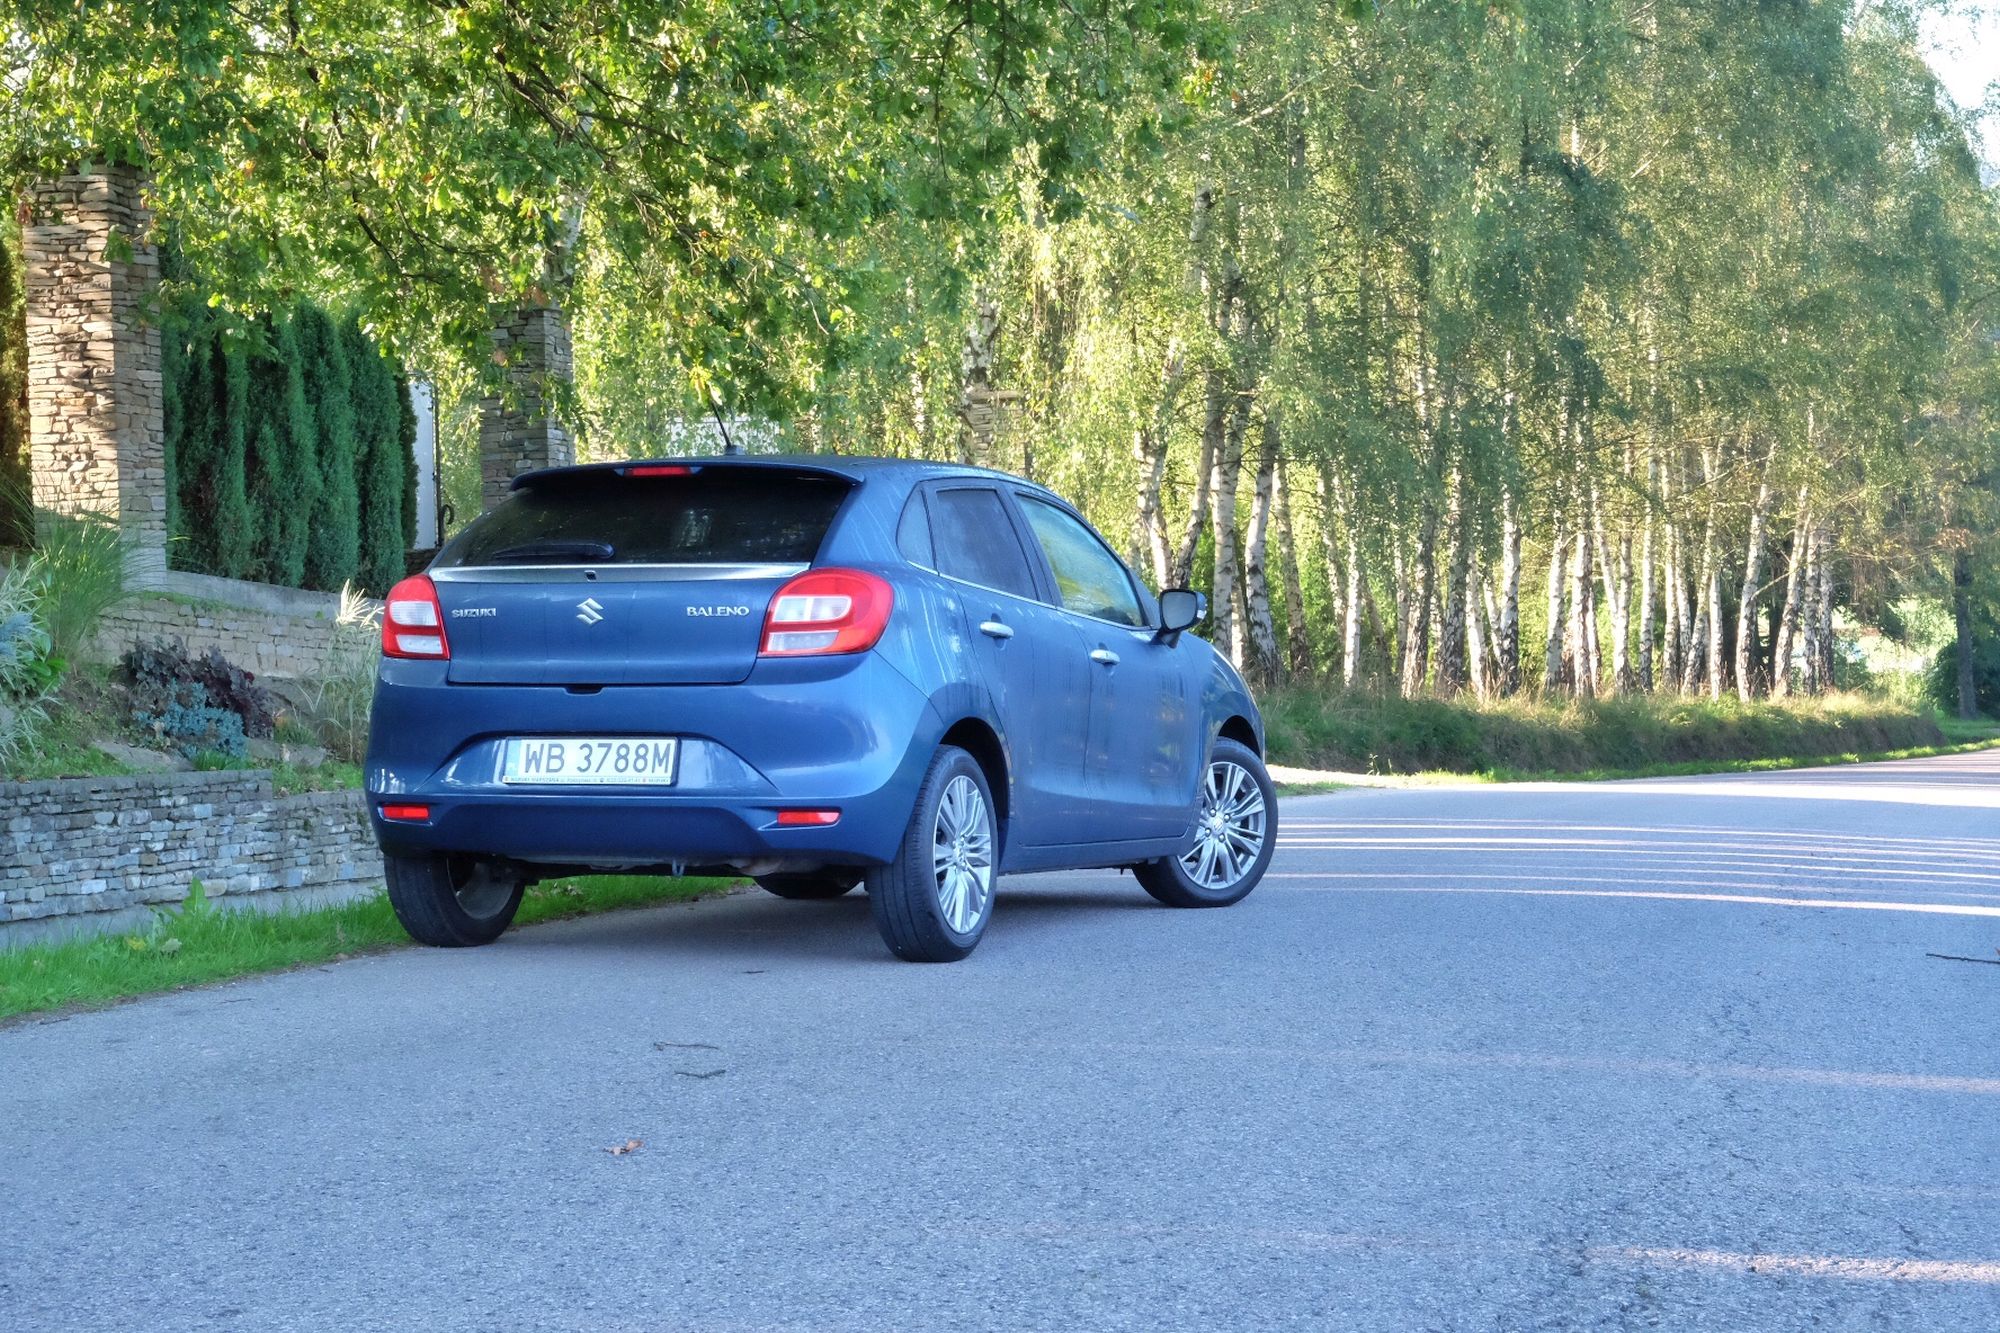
266, 643
79, 845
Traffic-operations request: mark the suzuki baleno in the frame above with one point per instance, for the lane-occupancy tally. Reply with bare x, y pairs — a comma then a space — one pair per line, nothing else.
822, 673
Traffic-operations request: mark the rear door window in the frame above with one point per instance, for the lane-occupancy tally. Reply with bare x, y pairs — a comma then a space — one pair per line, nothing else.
975, 540
713, 516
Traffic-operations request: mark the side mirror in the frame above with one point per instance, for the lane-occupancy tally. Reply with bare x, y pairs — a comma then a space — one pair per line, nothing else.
1180, 609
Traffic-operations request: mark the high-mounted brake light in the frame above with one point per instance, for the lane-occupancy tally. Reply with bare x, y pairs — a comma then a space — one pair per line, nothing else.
659, 470
827, 611
413, 621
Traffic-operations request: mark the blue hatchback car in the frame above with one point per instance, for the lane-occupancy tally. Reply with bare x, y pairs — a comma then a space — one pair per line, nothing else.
820, 672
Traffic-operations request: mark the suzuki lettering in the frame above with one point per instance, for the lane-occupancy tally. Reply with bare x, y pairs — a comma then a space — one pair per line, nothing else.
924, 677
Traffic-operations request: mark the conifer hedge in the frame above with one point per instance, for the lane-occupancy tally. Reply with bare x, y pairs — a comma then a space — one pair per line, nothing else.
288, 448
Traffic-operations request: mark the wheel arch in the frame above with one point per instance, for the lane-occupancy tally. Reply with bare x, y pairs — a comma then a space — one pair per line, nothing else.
1239, 728
976, 737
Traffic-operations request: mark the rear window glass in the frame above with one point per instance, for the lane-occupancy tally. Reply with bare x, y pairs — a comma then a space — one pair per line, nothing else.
720, 515
975, 541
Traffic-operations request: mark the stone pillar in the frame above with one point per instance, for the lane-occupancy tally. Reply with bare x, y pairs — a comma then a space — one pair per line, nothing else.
96, 429
516, 432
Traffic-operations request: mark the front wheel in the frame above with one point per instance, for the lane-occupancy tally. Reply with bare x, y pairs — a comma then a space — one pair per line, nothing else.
932, 902
1236, 830
451, 901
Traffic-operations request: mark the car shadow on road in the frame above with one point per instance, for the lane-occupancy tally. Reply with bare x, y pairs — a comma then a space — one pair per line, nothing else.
753, 925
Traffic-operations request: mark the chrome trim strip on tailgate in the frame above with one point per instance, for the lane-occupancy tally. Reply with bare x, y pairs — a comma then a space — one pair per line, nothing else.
612, 573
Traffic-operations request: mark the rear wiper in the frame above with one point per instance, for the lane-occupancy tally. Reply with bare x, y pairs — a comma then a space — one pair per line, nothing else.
554, 551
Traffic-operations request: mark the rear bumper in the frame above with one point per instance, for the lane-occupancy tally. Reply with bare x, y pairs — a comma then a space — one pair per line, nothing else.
850, 734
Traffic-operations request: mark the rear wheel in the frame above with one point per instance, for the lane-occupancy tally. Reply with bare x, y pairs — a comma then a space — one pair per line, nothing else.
451, 901
819, 884
1236, 830
933, 901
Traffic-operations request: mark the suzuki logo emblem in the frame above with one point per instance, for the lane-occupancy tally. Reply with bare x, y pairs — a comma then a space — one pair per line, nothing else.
590, 610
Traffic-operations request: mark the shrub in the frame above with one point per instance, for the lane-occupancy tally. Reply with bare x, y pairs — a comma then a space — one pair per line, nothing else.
1941, 681
336, 705
27, 670
179, 715
79, 572
1354, 731
196, 703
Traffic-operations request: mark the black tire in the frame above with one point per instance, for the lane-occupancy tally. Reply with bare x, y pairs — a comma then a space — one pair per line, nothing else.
1171, 880
818, 884
451, 902
922, 919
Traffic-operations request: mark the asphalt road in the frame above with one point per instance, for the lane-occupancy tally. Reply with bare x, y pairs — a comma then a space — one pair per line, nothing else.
1646, 1055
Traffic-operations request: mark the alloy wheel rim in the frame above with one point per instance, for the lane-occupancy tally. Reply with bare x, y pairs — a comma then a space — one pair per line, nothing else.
962, 855
1229, 834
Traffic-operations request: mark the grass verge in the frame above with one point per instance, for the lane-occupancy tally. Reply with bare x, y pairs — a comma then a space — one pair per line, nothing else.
1366, 733
199, 943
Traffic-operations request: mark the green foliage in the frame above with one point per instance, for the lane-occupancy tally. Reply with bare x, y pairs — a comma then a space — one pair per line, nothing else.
285, 448
1354, 732
195, 704
16, 518
1940, 683
333, 548
28, 672
79, 569
383, 466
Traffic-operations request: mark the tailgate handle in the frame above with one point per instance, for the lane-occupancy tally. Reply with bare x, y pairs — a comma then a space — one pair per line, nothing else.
996, 629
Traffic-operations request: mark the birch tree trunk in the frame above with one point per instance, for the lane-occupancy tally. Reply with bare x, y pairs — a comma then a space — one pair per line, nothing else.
1507, 624
1222, 523
1552, 645
1262, 629
1747, 682
1809, 678
1149, 451
1350, 630
1298, 642
1478, 669
1583, 682
1788, 618
1215, 411
1453, 667
1647, 612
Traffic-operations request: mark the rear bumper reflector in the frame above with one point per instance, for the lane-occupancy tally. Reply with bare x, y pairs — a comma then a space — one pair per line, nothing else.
808, 818
409, 814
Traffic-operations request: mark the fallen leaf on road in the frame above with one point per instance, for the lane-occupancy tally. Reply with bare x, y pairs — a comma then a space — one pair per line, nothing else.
629, 1146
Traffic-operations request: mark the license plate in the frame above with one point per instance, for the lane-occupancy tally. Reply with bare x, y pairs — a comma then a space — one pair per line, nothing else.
596, 761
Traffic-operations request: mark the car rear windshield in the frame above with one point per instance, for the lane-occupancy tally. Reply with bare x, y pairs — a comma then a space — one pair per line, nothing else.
713, 515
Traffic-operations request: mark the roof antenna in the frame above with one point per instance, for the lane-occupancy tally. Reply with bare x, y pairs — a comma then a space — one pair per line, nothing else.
730, 448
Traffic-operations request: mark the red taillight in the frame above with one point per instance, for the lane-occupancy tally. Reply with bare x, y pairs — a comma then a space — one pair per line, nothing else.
827, 611
807, 818
659, 470
413, 621
406, 813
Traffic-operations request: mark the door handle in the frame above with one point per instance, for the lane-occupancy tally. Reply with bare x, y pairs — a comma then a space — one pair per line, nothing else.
1104, 656
996, 629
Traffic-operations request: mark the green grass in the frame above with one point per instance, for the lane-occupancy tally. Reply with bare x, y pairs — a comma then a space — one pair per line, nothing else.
1355, 732
200, 943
